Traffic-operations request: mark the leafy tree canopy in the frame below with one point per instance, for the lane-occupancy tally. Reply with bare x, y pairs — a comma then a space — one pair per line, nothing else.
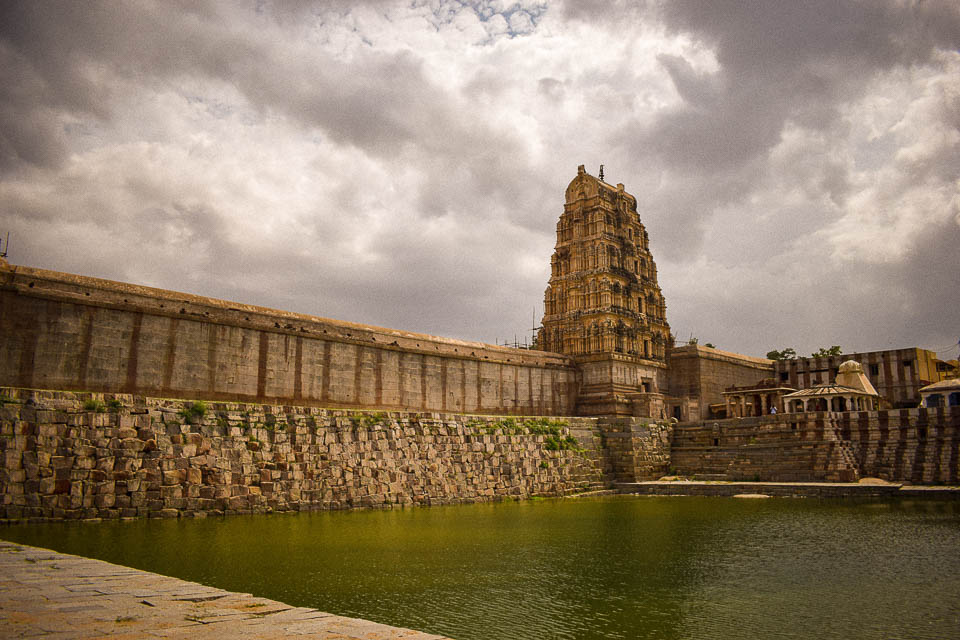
789, 353
835, 350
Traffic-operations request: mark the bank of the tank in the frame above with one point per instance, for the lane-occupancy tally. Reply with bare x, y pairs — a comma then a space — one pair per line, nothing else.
79, 456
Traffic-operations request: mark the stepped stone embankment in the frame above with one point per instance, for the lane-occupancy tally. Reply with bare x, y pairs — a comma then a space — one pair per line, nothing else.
912, 446
80, 456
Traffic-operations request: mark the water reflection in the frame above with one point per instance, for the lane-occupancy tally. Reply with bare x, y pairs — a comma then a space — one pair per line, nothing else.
586, 568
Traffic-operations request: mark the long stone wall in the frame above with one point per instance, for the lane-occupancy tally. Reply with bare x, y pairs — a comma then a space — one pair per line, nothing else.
79, 456
919, 446
61, 331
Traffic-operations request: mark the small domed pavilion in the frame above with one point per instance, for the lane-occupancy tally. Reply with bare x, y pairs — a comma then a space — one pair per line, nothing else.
850, 391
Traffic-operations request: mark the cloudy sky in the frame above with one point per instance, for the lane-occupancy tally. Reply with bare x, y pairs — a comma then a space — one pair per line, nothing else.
402, 164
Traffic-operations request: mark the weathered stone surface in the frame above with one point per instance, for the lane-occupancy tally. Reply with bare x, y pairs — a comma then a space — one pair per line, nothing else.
603, 304
52, 319
307, 458
49, 594
896, 374
918, 446
699, 375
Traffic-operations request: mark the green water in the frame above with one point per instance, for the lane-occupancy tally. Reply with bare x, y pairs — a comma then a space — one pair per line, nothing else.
620, 567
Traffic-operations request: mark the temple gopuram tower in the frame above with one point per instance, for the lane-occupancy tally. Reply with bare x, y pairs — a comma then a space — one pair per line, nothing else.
603, 305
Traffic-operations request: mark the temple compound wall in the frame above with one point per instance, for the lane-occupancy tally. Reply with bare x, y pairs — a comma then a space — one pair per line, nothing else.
84, 455
699, 375
916, 446
68, 332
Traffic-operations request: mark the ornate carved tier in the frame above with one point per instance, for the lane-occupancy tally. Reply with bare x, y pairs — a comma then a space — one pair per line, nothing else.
603, 304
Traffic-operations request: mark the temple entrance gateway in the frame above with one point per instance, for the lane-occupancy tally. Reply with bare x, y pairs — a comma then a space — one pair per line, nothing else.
603, 305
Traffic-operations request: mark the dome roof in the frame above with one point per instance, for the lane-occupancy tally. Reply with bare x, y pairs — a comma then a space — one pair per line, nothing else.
850, 374
850, 366
582, 186
585, 186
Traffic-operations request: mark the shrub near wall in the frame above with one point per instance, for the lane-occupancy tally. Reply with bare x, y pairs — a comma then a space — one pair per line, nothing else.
78, 456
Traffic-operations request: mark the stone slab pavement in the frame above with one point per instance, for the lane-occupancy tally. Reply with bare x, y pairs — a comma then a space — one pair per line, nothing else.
55, 595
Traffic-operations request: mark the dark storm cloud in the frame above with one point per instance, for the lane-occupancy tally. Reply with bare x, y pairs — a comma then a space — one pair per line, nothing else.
782, 65
63, 58
65, 61
805, 39
918, 296
862, 307
781, 61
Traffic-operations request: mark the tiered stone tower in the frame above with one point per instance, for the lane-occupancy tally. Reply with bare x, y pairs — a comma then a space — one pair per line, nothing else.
603, 305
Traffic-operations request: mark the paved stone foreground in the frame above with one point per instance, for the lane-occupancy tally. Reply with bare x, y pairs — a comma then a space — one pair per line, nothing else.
55, 595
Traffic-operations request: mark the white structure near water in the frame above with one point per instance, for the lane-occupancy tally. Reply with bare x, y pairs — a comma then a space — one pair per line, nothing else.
850, 391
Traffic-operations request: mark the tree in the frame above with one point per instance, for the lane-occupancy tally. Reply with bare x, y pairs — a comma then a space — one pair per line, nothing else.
789, 353
835, 350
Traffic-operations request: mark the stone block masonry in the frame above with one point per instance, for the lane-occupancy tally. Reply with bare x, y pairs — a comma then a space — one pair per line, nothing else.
636, 449
915, 446
699, 375
62, 331
81, 456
